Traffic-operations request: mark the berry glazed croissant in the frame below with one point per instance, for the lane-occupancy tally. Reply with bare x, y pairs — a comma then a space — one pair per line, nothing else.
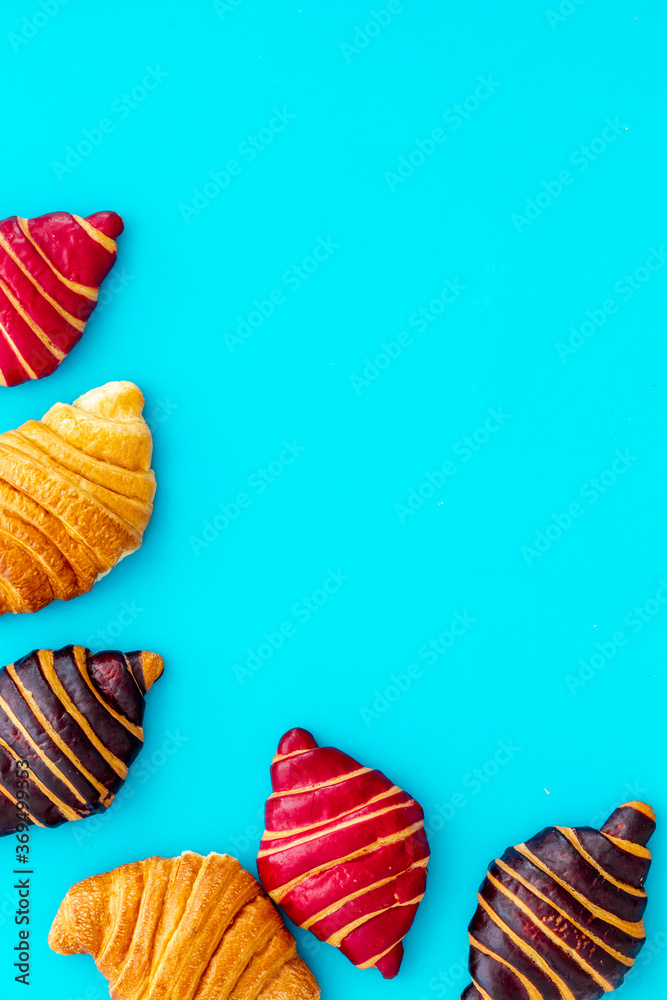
187, 928
76, 492
74, 721
560, 917
344, 852
50, 272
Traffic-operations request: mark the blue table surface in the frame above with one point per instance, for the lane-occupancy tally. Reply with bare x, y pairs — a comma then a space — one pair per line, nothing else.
393, 285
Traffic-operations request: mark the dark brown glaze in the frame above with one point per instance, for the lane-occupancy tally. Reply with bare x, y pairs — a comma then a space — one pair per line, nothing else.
76, 718
560, 916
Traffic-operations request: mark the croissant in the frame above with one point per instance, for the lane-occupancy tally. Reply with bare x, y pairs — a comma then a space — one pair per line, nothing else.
561, 915
188, 928
75, 719
76, 493
50, 272
344, 852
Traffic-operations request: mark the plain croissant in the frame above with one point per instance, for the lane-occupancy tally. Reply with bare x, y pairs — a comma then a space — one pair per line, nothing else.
187, 928
76, 492
74, 720
50, 272
344, 851
560, 916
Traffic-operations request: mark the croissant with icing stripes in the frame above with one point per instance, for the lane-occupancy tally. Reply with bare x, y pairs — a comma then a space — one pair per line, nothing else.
560, 917
76, 492
188, 928
50, 272
74, 721
344, 852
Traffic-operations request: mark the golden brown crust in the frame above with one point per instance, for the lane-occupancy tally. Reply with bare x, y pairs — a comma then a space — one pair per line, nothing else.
188, 928
76, 492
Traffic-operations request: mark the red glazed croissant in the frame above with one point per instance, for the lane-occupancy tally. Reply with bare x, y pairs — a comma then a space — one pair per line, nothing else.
344, 852
560, 917
50, 272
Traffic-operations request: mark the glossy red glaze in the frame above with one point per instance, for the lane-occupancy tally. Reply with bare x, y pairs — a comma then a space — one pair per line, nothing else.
344, 851
50, 272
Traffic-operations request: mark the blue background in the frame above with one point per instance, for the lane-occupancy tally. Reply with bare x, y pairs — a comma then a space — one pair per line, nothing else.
206, 587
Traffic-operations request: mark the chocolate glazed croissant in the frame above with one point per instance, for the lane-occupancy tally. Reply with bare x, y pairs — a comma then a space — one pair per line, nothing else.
188, 928
560, 917
77, 720
76, 492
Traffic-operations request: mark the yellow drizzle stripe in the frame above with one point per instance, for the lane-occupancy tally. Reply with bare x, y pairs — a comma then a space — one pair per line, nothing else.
85, 290
627, 845
535, 957
331, 909
78, 324
531, 989
293, 753
321, 784
51, 677
482, 991
8, 794
281, 891
624, 959
640, 807
66, 810
519, 903
22, 361
37, 330
80, 660
336, 829
96, 235
106, 796
282, 834
571, 835
338, 937
376, 958
634, 929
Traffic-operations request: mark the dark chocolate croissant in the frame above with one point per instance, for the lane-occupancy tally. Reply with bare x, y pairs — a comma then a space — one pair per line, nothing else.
560, 917
75, 720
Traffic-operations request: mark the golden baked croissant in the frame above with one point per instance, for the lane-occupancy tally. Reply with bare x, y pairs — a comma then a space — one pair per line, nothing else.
188, 928
76, 492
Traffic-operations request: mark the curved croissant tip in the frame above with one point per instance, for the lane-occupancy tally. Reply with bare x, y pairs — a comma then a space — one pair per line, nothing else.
117, 400
62, 938
296, 739
109, 223
633, 821
150, 667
